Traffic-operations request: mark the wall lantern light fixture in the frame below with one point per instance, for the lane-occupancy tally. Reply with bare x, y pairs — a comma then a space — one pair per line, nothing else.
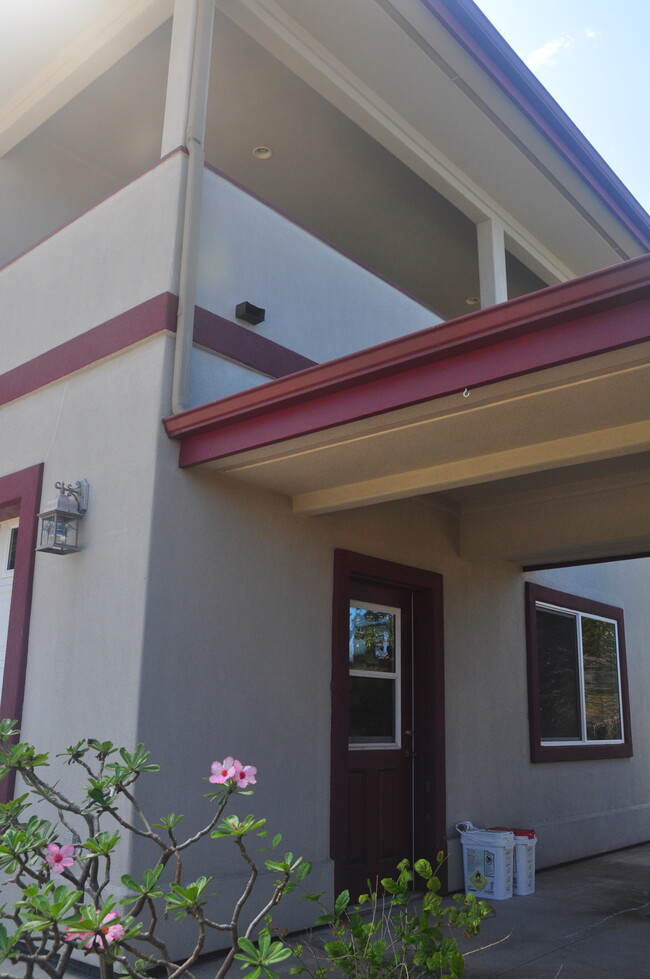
59, 521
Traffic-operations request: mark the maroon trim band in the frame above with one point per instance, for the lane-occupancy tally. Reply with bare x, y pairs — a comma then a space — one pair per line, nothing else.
121, 331
152, 316
20, 494
242, 345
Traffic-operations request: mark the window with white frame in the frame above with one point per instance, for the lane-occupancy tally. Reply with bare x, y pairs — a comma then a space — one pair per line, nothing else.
577, 679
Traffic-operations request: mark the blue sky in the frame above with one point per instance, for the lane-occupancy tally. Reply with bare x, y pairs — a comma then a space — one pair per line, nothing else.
592, 56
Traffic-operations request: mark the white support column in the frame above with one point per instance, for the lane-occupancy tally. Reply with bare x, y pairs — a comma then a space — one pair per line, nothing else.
194, 139
179, 76
492, 262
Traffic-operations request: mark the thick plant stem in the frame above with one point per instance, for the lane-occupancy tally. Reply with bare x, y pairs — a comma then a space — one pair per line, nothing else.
105, 968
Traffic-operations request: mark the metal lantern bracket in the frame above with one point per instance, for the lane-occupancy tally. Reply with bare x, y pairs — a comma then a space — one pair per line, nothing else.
79, 492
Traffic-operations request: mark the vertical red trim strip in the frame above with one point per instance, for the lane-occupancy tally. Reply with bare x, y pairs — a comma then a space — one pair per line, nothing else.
21, 489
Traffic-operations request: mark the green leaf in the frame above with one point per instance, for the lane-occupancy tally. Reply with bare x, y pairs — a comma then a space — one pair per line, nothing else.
390, 885
247, 946
341, 903
424, 869
304, 870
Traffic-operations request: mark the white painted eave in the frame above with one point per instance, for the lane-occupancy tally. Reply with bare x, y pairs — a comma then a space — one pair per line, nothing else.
55, 72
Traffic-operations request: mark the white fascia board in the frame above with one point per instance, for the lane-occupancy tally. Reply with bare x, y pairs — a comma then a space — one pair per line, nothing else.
270, 26
123, 25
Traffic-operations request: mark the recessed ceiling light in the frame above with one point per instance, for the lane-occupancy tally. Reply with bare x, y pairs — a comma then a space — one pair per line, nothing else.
473, 300
262, 152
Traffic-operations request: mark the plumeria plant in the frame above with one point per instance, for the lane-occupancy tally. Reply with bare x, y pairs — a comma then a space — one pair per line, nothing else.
394, 932
63, 869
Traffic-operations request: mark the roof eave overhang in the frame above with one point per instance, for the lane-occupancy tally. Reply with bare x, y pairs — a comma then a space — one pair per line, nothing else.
470, 27
531, 419
582, 318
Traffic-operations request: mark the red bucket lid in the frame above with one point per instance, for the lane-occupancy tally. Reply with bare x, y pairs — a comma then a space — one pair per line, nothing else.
530, 833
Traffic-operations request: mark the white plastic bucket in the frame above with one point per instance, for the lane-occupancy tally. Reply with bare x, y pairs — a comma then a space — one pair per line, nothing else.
487, 861
523, 880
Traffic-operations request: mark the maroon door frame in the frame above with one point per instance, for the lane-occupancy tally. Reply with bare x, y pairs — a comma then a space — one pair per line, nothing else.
20, 495
429, 804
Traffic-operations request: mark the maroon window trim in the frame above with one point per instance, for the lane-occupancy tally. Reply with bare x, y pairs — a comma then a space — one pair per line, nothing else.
430, 806
580, 752
20, 494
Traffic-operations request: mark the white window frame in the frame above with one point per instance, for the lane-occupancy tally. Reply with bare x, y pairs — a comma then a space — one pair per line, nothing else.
396, 675
578, 617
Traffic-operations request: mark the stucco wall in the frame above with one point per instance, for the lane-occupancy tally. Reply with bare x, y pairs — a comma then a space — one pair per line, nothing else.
317, 301
237, 660
198, 620
118, 254
87, 616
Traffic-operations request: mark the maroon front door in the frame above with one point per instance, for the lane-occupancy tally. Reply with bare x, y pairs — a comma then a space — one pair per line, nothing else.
388, 758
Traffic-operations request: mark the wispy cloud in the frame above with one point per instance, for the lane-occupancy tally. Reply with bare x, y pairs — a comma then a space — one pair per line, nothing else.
547, 54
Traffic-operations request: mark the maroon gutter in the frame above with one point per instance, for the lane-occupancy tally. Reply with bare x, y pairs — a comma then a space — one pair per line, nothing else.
471, 28
573, 320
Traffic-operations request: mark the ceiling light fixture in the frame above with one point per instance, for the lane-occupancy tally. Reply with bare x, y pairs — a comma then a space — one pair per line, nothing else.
473, 300
262, 152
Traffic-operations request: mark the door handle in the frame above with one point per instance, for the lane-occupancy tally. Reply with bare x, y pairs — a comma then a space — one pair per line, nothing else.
411, 754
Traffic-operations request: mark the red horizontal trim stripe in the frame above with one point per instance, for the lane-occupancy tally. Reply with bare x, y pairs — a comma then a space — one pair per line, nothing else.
246, 347
152, 316
115, 334
576, 319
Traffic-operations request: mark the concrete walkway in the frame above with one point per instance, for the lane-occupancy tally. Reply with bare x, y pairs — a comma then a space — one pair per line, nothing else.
587, 920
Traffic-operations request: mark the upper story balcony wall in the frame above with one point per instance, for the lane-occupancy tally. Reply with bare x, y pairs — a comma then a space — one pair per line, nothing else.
118, 254
390, 139
318, 301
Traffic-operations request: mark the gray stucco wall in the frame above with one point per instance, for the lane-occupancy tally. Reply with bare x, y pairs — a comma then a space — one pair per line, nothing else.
237, 658
198, 620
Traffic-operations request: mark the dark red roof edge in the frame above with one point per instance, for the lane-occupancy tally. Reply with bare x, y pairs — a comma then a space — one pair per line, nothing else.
569, 301
472, 29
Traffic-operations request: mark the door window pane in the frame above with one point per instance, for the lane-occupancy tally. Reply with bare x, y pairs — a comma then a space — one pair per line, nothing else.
13, 541
372, 639
372, 710
374, 665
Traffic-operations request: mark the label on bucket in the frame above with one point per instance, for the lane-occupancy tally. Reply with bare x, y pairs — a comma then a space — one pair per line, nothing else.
478, 880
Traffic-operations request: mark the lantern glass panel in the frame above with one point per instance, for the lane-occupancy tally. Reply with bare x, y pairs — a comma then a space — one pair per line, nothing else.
59, 532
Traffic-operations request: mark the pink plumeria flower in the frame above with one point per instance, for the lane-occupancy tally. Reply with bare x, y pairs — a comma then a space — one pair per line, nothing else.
108, 933
59, 857
222, 771
244, 775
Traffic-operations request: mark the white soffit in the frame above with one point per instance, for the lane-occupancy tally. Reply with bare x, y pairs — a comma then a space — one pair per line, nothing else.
56, 49
391, 67
577, 413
